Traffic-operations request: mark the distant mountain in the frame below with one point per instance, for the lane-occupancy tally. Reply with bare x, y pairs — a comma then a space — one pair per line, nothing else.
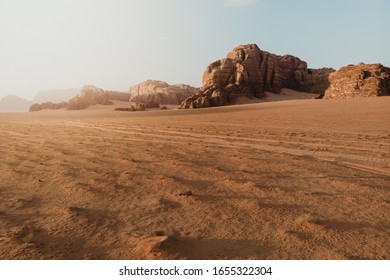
13, 103
56, 95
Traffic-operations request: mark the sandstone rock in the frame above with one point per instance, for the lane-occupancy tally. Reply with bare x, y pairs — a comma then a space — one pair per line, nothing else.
91, 95
48, 105
314, 80
129, 109
249, 71
154, 93
35, 107
140, 107
363, 80
152, 104
55, 95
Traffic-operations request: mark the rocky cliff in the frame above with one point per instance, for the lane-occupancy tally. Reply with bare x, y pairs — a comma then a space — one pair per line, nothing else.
158, 92
249, 71
363, 80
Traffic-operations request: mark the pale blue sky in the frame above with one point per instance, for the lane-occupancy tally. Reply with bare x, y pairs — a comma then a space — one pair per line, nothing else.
113, 44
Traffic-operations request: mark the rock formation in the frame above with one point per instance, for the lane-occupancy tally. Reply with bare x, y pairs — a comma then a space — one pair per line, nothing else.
89, 95
13, 103
315, 80
152, 93
249, 71
361, 80
55, 95
48, 105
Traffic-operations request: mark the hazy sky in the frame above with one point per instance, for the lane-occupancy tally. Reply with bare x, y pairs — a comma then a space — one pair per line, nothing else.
113, 44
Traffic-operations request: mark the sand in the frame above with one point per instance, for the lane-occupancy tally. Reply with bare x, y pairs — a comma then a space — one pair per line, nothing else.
298, 179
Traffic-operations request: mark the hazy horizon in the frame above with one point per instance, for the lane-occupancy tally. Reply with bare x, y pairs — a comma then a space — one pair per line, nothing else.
116, 44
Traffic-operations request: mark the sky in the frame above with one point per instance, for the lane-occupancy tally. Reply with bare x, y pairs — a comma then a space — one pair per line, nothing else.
113, 44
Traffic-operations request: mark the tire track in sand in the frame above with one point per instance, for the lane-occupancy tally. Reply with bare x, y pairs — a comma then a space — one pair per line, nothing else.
269, 145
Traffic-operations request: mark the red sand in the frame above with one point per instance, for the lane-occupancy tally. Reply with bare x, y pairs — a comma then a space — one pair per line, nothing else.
303, 179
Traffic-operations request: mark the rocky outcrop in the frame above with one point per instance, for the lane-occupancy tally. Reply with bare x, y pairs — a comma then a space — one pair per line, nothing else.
13, 103
363, 80
249, 71
89, 95
48, 105
153, 93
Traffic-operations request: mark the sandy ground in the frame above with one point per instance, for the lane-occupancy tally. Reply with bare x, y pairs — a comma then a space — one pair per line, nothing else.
302, 179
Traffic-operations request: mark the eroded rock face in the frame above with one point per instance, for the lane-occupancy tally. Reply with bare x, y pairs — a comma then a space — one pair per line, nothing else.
249, 71
158, 92
363, 80
314, 80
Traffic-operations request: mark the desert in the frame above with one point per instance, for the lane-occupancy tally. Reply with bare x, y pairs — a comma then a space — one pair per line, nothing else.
144, 133
288, 179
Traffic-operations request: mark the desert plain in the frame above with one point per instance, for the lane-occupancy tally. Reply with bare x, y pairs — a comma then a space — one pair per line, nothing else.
293, 179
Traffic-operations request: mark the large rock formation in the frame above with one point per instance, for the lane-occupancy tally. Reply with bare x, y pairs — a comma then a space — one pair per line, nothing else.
55, 95
13, 103
89, 95
249, 71
361, 80
158, 92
